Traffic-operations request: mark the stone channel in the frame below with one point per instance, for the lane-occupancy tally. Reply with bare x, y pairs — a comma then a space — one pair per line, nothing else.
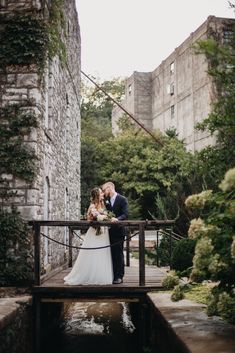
171, 327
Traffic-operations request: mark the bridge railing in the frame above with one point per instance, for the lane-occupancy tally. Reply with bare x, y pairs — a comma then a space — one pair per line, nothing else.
138, 225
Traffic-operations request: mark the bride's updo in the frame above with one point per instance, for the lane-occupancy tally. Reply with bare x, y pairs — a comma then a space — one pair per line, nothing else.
95, 196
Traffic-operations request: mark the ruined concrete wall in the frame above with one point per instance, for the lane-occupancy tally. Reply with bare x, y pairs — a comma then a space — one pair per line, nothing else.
138, 100
179, 93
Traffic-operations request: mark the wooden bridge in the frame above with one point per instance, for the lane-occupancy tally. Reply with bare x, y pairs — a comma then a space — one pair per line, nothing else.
138, 279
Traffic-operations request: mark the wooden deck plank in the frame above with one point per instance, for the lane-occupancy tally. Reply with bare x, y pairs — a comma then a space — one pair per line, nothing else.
56, 288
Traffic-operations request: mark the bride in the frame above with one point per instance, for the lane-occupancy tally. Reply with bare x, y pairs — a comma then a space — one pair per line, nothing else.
93, 266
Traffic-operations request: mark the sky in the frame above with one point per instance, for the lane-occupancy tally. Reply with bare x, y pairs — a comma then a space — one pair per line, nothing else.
122, 36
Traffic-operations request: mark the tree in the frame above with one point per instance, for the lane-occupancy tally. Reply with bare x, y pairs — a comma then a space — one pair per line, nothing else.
213, 161
96, 107
96, 112
213, 227
145, 170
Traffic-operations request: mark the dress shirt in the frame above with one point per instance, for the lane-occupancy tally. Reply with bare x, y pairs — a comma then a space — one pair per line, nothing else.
112, 199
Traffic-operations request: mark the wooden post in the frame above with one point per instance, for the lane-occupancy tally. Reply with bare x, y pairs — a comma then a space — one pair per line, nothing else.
37, 258
170, 232
141, 255
37, 323
128, 249
157, 248
70, 249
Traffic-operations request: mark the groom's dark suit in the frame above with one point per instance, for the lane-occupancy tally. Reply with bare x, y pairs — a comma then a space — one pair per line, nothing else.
117, 234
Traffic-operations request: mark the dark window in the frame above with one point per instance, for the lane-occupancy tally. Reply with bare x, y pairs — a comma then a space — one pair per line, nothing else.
172, 111
227, 36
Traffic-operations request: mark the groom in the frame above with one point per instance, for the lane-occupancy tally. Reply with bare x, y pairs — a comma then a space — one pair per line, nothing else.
117, 204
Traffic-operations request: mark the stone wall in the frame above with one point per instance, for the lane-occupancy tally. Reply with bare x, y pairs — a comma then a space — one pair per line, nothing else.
16, 331
55, 98
178, 93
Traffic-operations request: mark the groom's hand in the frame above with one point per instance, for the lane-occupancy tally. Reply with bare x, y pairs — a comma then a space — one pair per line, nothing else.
114, 220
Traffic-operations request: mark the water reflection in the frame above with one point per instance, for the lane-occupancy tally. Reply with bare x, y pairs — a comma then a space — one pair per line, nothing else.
95, 327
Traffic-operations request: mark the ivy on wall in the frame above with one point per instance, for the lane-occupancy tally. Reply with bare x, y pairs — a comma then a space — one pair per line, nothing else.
15, 158
55, 28
25, 39
16, 121
30, 39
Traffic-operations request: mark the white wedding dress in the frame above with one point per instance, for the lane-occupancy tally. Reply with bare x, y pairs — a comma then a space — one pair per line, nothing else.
93, 266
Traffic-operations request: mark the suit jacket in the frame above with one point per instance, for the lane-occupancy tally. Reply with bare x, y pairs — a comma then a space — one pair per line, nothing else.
120, 209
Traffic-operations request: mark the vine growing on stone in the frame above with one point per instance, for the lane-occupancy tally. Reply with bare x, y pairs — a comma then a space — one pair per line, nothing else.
26, 40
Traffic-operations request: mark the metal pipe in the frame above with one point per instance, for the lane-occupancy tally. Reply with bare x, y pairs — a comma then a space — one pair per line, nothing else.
124, 109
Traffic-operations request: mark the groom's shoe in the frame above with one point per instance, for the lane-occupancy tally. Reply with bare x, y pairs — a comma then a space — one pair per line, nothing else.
117, 281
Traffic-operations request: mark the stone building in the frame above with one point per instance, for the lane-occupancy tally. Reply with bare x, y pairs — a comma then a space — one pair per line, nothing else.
179, 92
54, 97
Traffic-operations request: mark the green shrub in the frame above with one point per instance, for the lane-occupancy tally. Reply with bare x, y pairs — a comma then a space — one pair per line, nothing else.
226, 306
170, 281
15, 253
177, 294
163, 251
214, 256
182, 256
212, 305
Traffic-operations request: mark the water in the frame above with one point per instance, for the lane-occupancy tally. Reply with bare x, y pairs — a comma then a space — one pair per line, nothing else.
94, 327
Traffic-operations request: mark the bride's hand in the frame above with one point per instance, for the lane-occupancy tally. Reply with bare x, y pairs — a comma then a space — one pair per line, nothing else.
101, 217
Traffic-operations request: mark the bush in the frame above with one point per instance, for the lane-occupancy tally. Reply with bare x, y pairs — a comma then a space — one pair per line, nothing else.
226, 306
15, 253
177, 294
214, 251
182, 256
170, 281
163, 251
222, 303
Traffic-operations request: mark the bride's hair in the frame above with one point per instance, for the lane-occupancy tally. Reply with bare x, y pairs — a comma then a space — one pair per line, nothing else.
95, 196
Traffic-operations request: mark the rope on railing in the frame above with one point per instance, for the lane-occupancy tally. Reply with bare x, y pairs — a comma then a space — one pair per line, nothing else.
83, 248
77, 235
174, 236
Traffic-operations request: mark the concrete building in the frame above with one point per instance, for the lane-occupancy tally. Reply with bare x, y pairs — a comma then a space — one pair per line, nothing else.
54, 97
179, 92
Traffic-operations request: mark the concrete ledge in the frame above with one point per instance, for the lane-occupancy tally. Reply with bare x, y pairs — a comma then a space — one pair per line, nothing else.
189, 321
9, 308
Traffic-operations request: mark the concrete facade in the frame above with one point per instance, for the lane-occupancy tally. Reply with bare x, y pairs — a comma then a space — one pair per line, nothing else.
55, 193
179, 92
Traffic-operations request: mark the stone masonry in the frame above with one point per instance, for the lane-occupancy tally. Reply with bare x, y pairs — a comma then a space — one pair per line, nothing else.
55, 193
179, 92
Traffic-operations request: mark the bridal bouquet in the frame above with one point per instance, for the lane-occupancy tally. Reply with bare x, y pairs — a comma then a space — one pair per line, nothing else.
103, 216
